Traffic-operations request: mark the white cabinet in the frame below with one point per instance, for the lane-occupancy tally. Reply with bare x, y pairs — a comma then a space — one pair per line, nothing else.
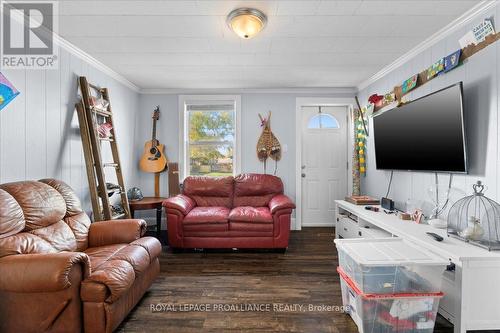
472, 289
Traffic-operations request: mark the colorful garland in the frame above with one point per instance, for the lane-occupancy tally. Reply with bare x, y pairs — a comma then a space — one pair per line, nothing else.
360, 142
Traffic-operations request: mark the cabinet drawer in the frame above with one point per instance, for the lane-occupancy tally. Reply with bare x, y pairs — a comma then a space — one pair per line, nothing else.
348, 228
448, 304
373, 233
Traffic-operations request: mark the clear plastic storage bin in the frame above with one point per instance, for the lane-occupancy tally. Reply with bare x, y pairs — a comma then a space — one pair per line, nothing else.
390, 265
389, 313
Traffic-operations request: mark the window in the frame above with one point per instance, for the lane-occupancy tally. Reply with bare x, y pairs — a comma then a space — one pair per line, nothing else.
323, 120
210, 145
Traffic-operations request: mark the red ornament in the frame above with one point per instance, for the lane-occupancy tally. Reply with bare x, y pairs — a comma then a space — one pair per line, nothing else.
375, 99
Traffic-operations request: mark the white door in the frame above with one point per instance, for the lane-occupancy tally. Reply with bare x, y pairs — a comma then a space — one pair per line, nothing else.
324, 163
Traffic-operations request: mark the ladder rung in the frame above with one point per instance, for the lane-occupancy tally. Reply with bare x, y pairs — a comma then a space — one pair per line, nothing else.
110, 165
106, 139
99, 111
118, 216
115, 190
95, 87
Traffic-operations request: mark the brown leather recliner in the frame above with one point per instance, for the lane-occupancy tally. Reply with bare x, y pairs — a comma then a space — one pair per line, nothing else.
61, 273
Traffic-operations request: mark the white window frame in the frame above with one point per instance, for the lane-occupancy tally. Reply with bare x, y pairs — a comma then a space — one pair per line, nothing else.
183, 128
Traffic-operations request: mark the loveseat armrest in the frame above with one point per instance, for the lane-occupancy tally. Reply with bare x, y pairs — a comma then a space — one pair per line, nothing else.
180, 202
116, 232
41, 272
279, 202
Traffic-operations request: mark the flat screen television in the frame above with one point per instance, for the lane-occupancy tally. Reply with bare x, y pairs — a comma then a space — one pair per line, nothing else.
426, 134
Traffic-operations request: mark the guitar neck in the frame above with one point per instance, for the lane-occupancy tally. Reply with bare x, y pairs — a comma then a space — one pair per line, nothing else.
153, 138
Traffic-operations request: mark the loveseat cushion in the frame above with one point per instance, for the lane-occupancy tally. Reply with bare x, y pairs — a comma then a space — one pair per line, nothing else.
251, 227
200, 215
255, 190
251, 214
209, 191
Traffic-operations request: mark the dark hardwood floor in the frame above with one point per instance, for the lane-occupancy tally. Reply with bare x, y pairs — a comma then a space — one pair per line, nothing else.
304, 275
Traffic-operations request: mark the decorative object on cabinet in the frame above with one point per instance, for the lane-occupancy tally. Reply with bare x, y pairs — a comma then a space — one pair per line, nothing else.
268, 146
362, 200
476, 219
7, 91
417, 216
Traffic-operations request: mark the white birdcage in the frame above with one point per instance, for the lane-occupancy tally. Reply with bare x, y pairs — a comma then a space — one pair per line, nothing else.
476, 219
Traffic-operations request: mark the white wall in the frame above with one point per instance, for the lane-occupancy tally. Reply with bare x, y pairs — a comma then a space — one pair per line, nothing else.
39, 132
282, 106
480, 75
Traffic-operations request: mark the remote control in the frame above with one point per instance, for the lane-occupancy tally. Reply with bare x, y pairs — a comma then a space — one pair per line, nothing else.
435, 236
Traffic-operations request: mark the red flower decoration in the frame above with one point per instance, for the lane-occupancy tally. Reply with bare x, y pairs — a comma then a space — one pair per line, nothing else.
374, 99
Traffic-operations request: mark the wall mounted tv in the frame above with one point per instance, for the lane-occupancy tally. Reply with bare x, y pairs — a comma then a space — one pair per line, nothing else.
426, 134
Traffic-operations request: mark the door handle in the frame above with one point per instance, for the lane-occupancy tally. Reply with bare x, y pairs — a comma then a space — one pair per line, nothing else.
303, 167
303, 175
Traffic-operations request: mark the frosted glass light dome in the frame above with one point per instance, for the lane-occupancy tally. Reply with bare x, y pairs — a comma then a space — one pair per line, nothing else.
246, 22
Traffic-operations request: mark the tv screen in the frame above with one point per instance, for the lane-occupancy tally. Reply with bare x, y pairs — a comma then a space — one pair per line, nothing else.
426, 134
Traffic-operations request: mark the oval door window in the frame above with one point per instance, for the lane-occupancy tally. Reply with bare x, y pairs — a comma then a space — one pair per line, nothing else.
323, 120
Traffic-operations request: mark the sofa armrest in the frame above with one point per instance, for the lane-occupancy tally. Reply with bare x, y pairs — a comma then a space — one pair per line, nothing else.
116, 232
180, 202
280, 201
44, 272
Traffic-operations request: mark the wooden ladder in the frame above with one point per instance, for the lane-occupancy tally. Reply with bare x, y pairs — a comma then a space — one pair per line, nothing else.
89, 116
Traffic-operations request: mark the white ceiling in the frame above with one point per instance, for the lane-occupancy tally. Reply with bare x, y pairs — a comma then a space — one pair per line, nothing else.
310, 43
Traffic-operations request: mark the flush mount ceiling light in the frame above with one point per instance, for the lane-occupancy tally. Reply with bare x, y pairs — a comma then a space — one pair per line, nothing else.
246, 22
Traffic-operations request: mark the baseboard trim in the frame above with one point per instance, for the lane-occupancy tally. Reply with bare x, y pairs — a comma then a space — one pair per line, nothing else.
318, 225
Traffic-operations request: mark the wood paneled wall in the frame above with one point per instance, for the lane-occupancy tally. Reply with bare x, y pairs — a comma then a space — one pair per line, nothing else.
480, 75
39, 132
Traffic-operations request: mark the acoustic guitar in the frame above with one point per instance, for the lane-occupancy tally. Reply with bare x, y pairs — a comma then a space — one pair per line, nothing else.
153, 158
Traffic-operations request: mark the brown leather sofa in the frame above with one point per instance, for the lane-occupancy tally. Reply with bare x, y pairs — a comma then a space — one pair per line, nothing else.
61, 273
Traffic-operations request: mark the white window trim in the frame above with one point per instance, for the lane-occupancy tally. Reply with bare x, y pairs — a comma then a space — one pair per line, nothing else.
183, 141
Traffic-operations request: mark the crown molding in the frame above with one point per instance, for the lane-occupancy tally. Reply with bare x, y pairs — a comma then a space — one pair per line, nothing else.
76, 51
298, 90
465, 18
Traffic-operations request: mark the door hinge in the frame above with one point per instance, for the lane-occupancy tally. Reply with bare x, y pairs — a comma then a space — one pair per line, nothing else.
347, 165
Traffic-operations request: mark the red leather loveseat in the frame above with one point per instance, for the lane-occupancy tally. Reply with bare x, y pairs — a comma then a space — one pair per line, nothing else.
247, 211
